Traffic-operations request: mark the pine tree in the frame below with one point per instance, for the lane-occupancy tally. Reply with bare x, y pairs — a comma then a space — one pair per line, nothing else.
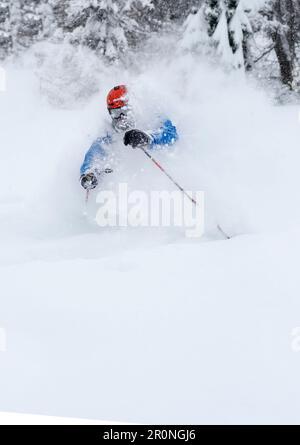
239, 31
212, 14
59, 11
46, 14
30, 25
172, 11
195, 36
228, 28
6, 40
102, 25
281, 23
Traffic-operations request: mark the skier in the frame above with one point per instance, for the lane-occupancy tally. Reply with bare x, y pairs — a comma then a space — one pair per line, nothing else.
123, 122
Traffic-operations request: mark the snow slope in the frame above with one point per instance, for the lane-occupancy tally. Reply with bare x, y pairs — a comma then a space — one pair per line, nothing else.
144, 325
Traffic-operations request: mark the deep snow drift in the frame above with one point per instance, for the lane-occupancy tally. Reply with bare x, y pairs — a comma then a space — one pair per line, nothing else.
144, 325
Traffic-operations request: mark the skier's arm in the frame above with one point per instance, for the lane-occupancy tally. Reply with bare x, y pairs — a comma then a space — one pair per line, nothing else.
94, 162
165, 135
95, 157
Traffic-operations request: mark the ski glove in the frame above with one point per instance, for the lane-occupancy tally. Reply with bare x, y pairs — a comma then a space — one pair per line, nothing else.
136, 138
88, 181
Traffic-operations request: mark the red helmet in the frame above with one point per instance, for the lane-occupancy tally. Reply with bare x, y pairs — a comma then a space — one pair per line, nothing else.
117, 97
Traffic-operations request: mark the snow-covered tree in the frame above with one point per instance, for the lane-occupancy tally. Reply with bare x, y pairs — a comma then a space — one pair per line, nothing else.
46, 14
226, 24
6, 40
24, 22
102, 25
281, 23
172, 11
212, 11
239, 32
59, 11
196, 32
30, 25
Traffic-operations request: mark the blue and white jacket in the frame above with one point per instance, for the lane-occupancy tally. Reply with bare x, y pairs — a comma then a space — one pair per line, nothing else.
98, 153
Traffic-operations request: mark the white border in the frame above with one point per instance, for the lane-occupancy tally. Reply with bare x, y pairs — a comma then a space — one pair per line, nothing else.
30, 419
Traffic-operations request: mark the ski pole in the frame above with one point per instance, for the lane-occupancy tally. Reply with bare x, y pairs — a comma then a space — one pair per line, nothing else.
107, 170
224, 234
87, 197
168, 175
87, 194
